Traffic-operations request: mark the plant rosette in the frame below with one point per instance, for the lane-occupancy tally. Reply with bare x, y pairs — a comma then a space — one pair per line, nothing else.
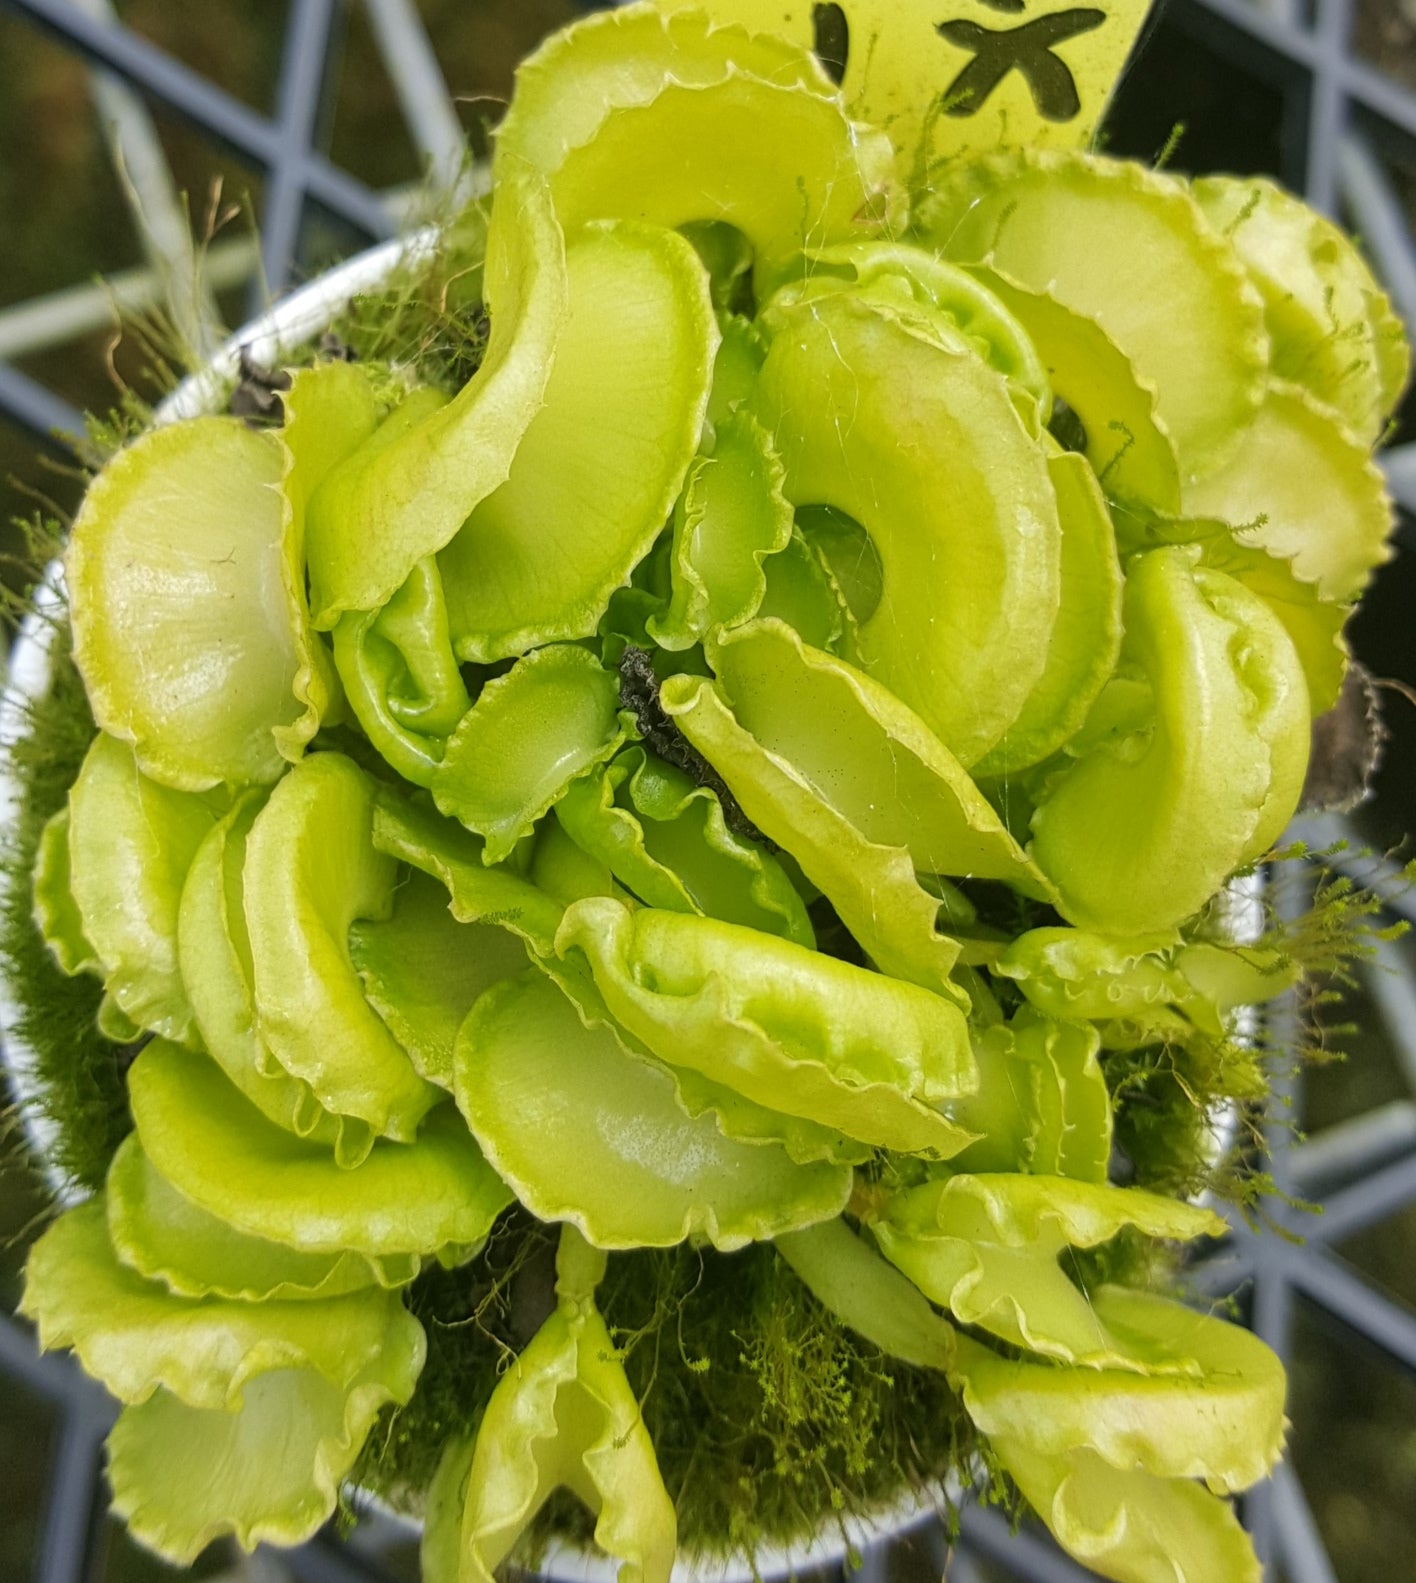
620, 920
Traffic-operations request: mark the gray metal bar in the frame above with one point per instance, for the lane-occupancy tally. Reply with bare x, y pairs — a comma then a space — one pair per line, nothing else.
225, 117
380, 1530
1337, 1156
45, 1373
1271, 1319
160, 214
1379, 219
1386, 1192
1390, 983
59, 317
1327, 116
1301, 1550
1261, 1519
1385, 879
1282, 29
1353, 1300
422, 91
874, 1564
1399, 465
1370, 87
301, 93
1288, 12
1364, 84
322, 1561
1291, 894
1272, 1316
261, 1567
1266, 26
75, 1486
1031, 1556
962, 1568
1220, 1273
45, 415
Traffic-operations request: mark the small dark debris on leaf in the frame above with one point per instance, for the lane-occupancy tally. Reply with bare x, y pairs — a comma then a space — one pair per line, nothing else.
256, 400
639, 693
1347, 747
334, 348
1067, 428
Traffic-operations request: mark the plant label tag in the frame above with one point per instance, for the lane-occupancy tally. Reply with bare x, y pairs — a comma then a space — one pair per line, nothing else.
948, 77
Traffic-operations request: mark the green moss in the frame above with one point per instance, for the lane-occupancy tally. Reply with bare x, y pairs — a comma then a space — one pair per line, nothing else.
80, 1074
1191, 1113
1174, 1103
1340, 926
767, 1415
428, 319
766, 1412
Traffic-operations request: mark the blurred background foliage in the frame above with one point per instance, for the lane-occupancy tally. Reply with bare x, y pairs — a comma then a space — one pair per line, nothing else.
68, 223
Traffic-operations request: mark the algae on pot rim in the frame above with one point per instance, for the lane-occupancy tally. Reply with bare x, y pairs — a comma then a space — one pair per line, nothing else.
640, 894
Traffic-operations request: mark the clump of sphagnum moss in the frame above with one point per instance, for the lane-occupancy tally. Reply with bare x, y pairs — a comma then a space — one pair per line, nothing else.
428, 322
763, 1408
764, 1411
78, 1073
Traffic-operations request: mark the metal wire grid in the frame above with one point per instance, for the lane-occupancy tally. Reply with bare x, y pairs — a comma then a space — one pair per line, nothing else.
1338, 110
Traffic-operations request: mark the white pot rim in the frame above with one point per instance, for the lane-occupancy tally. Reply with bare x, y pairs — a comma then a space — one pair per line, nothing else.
567, 1563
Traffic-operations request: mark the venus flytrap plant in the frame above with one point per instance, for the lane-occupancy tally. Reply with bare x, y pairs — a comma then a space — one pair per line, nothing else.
1042, 1102
1124, 1464
716, 743
563, 1414
665, 840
